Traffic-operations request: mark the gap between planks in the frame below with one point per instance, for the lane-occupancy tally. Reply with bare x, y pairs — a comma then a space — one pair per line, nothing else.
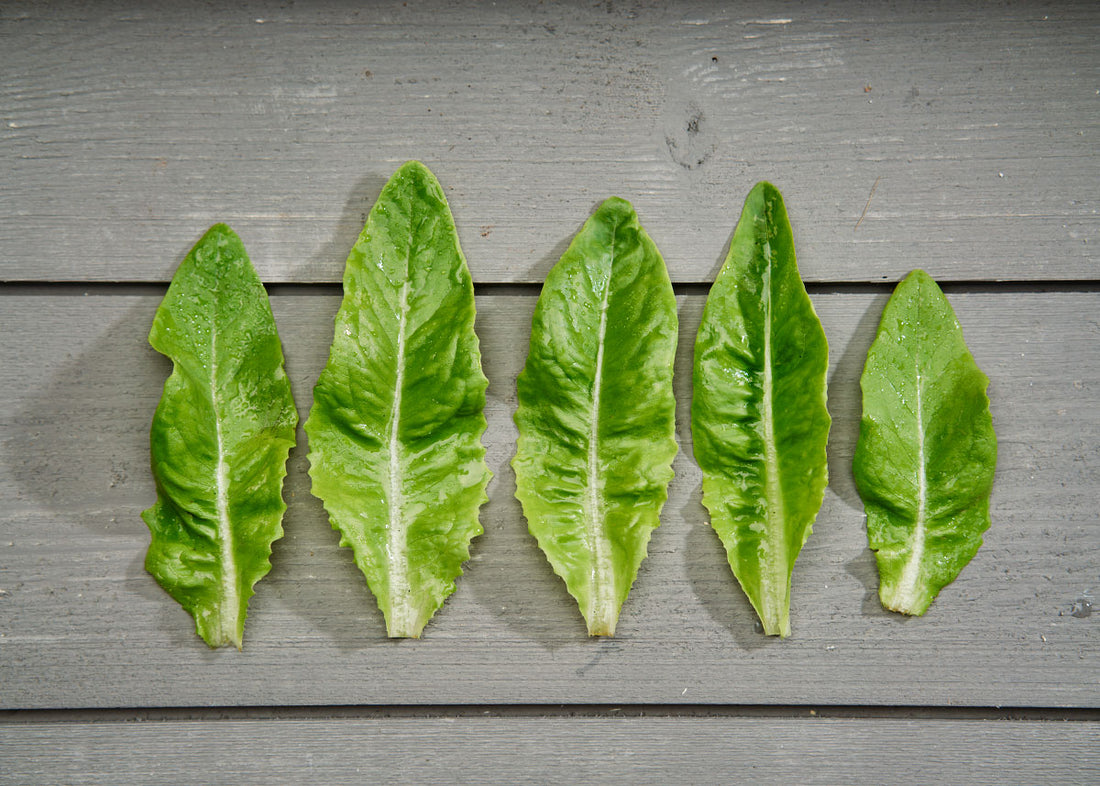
548, 711
146, 288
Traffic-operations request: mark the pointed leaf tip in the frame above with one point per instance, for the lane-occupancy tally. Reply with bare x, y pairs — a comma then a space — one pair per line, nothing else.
760, 426
596, 411
396, 424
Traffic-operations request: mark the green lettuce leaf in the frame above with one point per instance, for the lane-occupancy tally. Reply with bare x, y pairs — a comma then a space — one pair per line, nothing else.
596, 411
220, 437
927, 453
759, 422
397, 418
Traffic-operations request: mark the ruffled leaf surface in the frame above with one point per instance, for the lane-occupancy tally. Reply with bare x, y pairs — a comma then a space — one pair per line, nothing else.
220, 437
596, 411
927, 452
397, 418
759, 421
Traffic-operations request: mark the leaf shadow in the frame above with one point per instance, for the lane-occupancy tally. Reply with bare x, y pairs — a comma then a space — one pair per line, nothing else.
312, 576
864, 569
546, 262
90, 396
721, 261
689, 311
712, 581
333, 252
78, 450
511, 579
846, 404
845, 408
508, 574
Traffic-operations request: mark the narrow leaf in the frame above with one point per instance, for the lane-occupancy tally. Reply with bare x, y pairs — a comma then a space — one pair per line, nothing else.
397, 418
758, 419
596, 411
220, 437
927, 453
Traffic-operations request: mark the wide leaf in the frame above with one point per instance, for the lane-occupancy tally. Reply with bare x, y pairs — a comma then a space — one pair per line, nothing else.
759, 422
220, 437
927, 453
397, 418
596, 411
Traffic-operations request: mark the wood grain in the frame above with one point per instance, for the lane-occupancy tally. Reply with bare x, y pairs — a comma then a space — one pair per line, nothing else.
83, 625
960, 138
128, 129
559, 750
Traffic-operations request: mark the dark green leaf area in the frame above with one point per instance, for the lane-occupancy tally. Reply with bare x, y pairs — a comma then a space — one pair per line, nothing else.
743, 304
596, 410
220, 437
759, 421
926, 455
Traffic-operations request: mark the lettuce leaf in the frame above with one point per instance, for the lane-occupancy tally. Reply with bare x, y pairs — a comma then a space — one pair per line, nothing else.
926, 455
397, 418
596, 411
759, 422
220, 437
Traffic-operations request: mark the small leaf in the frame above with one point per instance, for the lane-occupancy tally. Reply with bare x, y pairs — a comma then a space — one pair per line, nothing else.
596, 411
927, 453
397, 418
220, 437
758, 419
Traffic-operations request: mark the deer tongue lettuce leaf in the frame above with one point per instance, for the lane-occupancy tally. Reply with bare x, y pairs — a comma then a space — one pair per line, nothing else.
220, 437
397, 418
596, 411
759, 422
926, 455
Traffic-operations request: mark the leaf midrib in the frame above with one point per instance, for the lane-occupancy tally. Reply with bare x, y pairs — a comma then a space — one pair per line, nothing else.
230, 592
398, 620
775, 579
906, 597
601, 611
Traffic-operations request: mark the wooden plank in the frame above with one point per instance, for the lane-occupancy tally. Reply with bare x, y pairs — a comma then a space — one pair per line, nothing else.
83, 625
128, 129
559, 750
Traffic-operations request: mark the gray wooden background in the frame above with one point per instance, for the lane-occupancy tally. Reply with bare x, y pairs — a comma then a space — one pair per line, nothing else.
958, 138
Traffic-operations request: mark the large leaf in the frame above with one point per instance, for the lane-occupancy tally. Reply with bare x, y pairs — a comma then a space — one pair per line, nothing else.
396, 424
220, 437
596, 411
758, 418
926, 455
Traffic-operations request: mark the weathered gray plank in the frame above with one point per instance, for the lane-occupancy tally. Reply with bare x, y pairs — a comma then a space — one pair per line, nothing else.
82, 624
129, 128
553, 750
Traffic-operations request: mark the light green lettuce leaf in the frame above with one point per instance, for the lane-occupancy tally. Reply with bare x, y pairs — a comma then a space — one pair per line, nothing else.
220, 437
397, 418
596, 411
759, 422
927, 453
